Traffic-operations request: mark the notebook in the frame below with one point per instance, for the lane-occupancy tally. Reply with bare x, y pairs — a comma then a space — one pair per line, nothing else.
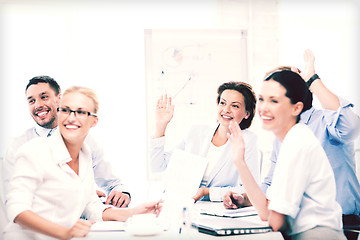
219, 226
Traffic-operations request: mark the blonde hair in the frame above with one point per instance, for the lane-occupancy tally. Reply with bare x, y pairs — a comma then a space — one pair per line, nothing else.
87, 92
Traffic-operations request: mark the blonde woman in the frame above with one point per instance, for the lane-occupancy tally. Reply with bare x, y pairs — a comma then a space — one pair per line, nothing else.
53, 182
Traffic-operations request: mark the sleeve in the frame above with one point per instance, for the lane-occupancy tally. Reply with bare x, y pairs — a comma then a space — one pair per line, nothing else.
103, 174
27, 176
95, 208
342, 125
159, 158
216, 194
290, 179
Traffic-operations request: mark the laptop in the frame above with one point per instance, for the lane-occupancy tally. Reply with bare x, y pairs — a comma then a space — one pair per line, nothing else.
220, 226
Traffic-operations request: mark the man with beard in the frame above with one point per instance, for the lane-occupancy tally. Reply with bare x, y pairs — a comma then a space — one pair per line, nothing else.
43, 96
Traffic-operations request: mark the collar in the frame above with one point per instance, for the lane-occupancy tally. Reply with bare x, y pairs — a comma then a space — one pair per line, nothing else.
305, 116
43, 132
61, 153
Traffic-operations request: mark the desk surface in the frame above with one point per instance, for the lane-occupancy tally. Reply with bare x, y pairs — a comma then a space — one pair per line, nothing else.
189, 234
194, 234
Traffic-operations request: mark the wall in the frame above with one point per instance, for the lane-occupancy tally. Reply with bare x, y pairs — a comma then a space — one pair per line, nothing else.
102, 46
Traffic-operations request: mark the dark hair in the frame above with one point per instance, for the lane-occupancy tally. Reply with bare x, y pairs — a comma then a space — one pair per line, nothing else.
249, 99
296, 89
44, 79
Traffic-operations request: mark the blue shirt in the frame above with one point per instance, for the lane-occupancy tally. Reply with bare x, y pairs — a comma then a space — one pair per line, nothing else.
104, 177
336, 131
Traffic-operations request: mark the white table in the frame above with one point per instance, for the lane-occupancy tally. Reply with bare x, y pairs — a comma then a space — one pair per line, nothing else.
190, 233
194, 234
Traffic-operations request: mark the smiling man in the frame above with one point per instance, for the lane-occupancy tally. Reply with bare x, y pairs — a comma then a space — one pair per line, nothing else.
43, 95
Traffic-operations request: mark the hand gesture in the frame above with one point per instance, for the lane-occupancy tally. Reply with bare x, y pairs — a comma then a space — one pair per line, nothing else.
118, 199
237, 143
80, 229
309, 68
233, 200
163, 114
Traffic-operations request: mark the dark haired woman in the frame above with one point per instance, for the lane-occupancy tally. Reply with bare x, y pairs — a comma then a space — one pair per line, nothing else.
235, 102
301, 201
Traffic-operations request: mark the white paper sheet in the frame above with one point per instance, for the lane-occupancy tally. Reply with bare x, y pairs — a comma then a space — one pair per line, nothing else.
183, 175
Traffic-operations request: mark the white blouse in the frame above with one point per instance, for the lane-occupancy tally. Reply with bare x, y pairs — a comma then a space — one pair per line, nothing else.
303, 186
43, 183
213, 156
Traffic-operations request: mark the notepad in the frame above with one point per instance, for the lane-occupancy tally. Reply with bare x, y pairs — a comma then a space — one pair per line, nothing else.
231, 213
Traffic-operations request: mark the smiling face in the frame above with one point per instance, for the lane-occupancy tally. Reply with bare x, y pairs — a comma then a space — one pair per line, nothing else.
275, 109
43, 102
74, 128
231, 107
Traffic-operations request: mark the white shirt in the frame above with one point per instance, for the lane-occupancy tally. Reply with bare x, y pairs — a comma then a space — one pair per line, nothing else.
303, 186
104, 177
213, 156
43, 183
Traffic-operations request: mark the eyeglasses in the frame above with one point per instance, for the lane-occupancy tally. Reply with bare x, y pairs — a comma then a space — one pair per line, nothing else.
77, 113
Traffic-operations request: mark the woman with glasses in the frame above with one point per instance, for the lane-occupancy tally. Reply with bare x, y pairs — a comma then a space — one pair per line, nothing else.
301, 201
53, 183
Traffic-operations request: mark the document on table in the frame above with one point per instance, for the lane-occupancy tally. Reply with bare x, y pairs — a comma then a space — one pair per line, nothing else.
232, 213
183, 175
107, 226
218, 209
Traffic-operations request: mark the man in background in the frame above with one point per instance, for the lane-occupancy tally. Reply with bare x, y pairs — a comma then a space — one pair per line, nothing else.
43, 96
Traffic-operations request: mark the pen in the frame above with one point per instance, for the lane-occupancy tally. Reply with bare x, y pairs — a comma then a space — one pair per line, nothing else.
158, 203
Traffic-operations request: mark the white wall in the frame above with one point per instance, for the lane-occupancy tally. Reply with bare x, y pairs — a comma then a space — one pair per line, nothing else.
100, 44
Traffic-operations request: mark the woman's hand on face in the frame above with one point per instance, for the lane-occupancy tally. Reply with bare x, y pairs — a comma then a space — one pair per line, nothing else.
164, 110
237, 143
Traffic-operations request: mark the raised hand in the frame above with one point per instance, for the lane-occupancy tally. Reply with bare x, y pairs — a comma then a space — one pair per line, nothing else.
163, 114
309, 67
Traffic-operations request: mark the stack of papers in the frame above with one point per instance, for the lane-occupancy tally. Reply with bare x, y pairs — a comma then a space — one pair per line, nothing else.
221, 211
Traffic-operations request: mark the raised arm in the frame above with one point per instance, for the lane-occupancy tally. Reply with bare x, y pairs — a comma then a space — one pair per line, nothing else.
327, 98
253, 191
163, 115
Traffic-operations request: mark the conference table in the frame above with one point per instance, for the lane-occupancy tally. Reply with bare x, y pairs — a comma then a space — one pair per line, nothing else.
123, 230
